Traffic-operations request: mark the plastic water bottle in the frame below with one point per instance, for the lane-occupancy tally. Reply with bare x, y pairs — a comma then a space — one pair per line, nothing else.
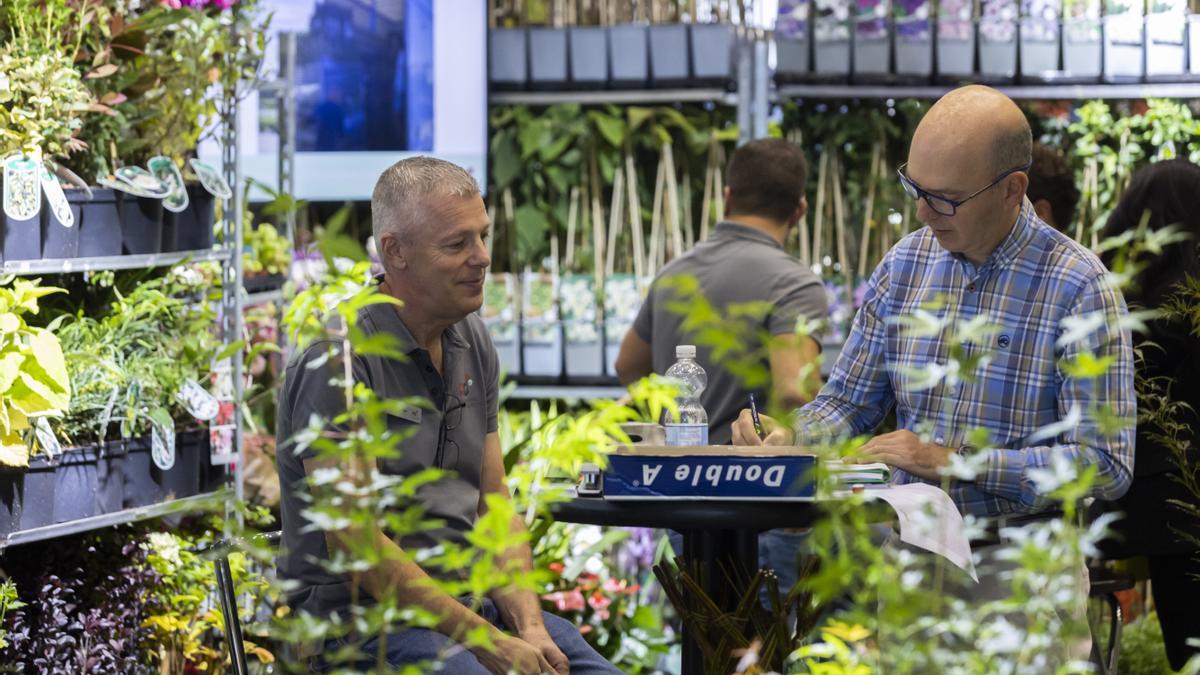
692, 426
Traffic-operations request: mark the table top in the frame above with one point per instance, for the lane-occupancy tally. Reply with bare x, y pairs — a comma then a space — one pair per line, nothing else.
686, 514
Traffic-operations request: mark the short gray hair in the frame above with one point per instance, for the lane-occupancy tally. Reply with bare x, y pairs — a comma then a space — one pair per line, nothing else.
400, 193
1012, 147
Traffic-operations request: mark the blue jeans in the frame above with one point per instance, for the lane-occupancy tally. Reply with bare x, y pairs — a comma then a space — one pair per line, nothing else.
417, 645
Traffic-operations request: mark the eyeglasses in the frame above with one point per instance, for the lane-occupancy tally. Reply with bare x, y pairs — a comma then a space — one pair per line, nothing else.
450, 421
944, 205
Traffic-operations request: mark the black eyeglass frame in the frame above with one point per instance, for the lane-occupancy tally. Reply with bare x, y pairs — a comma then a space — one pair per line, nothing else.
917, 192
444, 431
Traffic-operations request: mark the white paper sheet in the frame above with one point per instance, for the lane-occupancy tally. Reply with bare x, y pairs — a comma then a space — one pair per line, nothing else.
929, 519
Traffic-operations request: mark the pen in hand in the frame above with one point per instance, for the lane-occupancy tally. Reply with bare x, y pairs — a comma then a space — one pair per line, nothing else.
758, 427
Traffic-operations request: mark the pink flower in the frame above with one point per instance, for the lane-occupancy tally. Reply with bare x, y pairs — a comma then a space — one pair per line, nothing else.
556, 567
566, 601
170, 4
224, 4
599, 602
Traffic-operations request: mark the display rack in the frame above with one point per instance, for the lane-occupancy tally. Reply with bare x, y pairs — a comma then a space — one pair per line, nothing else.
116, 262
615, 96
71, 527
1182, 90
566, 392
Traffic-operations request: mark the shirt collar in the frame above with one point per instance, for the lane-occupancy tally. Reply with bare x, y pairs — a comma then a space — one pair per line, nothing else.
729, 228
387, 320
1020, 235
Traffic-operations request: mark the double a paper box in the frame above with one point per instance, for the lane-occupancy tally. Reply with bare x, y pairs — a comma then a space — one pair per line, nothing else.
710, 472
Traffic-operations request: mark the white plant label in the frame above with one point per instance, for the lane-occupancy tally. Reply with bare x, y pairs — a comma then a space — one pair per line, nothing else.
162, 445
46, 438
22, 190
199, 402
143, 180
164, 169
211, 179
58, 201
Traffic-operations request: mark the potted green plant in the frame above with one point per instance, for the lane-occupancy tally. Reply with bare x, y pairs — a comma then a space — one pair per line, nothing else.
42, 100
1082, 47
913, 20
1166, 39
547, 45
998, 21
712, 45
508, 46
1041, 33
955, 40
1124, 41
588, 41
669, 48
831, 38
872, 41
33, 384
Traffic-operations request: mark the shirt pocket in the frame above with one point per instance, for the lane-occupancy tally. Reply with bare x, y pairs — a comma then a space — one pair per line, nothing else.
415, 443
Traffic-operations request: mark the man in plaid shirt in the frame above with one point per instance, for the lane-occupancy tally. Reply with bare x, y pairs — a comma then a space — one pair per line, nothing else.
984, 255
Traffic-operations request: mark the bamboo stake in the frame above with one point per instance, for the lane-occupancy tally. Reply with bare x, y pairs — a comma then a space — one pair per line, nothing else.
511, 231
635, 215
708, 188
656, 218
614, 220
802, 235
719, 184
872, 183
597, 217
673, 203
572, 215
686, 206
819, 218
492, 219
839, 221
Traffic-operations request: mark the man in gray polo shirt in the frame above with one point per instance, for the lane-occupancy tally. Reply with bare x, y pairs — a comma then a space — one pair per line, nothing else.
742, 262
431, 228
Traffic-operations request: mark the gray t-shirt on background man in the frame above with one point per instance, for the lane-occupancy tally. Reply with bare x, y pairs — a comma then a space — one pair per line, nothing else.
736, 264
466, 399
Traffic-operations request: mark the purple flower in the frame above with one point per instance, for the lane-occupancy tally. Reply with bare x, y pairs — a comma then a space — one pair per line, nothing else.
224, 4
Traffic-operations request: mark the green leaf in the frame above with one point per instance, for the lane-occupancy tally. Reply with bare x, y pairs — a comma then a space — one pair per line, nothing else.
10, 368
13, 451
47, 354
506, 164
532, 231
611, 128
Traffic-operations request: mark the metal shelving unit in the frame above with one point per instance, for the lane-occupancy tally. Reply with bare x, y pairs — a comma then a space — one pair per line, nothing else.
1037, 92
185, 505
563, 392
617, 96
117, 262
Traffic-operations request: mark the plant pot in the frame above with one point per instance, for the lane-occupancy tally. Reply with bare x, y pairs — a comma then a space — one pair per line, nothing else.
589, 56
508, 58
614, 333
831, 39
138, 470
629, 55
58, 240
872, 41
23, 238
1082, 50
141, 224
76, 478
669, 53
585, 349
263, 282
504, 339
914, 48
192, 229
1124, 47
1039, 60
541, 348
1166, 45
1194, 45
547, 58
97, 221
110, 480
38, 487
712, 53
183, 479
793, 40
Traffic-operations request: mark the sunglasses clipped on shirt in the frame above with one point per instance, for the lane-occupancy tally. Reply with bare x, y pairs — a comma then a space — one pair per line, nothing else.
944, 205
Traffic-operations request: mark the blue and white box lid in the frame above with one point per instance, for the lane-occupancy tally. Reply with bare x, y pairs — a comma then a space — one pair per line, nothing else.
713, 472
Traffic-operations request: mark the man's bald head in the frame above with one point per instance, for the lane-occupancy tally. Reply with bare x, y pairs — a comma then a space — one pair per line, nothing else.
982, 122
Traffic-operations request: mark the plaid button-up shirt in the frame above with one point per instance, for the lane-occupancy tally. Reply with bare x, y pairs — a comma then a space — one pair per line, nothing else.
1031, 283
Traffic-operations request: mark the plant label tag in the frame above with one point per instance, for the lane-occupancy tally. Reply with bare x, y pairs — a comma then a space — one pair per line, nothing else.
106, 415
162, 445
165, 170
211, 179
58, 201
46, 438
122, 186
143, 180
222, 377
22, 191
199, 402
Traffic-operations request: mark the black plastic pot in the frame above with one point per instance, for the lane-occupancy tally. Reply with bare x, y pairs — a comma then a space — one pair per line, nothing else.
137, 469
75, 484
23, 238
548, 58
713, 47
508, 58
58, 240
191, 230
263, 282
39, 486
97, 223
141, 224
12, 489
110, 479
183, 479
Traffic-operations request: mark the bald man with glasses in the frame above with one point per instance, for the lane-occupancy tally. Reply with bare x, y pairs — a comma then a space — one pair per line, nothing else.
983, 254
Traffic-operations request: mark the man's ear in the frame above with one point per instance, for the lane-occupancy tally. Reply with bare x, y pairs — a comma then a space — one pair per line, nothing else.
1015, 188
798, 214
725, 197
392, 253
1042, 208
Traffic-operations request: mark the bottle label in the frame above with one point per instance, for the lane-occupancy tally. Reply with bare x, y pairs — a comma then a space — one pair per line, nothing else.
687, 434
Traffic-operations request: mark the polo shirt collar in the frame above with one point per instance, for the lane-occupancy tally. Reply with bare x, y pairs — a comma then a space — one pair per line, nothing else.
387, 320
729, 228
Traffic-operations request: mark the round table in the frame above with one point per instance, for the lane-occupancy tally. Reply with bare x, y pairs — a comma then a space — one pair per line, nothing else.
720, 536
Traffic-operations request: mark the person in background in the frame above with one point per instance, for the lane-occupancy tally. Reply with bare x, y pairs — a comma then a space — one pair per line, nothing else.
743, 261
1154, 523
431, 229
1052, 189
986, 253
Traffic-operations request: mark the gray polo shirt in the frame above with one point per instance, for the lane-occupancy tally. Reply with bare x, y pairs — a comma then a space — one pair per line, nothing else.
471, 381
736, 264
